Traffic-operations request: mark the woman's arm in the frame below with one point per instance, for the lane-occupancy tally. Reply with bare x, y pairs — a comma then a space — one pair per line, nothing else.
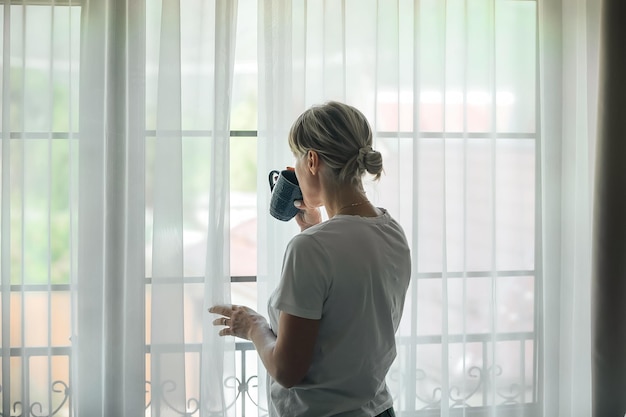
288, 356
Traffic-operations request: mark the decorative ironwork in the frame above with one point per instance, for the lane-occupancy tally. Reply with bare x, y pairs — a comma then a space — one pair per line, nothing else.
481, 387
193, 404
15, 405
243, 389
36, 409
435, 401
459, 398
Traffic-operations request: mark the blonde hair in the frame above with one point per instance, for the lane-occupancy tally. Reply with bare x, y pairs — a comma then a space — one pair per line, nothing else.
341, 136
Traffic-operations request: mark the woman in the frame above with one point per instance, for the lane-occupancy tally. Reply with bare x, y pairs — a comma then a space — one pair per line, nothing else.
331, 336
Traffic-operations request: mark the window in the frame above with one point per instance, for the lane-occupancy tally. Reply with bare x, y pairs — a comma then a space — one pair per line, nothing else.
41, 64
462, 177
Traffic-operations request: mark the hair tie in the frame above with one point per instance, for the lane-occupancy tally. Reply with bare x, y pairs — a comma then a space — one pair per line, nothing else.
360, 159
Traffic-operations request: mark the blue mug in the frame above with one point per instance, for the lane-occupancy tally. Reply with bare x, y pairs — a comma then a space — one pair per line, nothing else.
285, 190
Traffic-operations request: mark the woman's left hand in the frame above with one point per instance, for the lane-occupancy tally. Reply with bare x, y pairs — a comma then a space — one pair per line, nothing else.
239, 321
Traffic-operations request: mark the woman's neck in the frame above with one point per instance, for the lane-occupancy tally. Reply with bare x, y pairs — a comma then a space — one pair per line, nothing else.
348, 200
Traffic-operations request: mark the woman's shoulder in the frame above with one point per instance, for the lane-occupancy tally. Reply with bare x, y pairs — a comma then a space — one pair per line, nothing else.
347, 224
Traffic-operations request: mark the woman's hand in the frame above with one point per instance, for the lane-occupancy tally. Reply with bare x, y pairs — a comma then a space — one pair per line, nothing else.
287, 358
307, 216
239, 321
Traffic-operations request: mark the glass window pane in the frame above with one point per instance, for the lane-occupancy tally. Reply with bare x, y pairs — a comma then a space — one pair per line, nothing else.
245, 293
515, 195
429, 306
515, 298
243, 206
196, 186
469, 305
515, 65
245, 82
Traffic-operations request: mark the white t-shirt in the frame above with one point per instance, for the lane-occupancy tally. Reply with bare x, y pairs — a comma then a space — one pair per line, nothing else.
352, 274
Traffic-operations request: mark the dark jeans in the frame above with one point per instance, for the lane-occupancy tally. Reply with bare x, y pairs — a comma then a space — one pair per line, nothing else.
387, 413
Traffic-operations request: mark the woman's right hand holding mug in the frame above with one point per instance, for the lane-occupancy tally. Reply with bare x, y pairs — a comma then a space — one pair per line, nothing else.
308, 216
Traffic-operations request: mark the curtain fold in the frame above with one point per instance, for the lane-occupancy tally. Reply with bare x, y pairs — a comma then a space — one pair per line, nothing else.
192, 53
152, 176
218, 390
5, 221
167, 338
134, 325
279, 104
568, 76
109, 292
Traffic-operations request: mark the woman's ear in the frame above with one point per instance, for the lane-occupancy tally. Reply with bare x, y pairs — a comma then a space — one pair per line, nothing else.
313, 162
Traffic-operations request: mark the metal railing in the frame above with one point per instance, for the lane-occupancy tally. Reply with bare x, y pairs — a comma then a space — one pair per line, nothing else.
476, 398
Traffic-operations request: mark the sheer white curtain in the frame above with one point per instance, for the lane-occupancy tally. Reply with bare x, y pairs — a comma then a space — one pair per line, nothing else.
484, 111
569, 57
115, 194
115, 186
153, 208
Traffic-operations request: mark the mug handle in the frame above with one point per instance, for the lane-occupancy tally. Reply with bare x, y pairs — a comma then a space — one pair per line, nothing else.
273, 178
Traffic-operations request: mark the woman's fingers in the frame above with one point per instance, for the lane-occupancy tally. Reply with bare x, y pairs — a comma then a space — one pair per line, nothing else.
226, 332
237, 320
224, 310
307, 216
222, 321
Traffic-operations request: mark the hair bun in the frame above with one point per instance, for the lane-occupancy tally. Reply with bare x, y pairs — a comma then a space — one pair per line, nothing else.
361, 158
370, 160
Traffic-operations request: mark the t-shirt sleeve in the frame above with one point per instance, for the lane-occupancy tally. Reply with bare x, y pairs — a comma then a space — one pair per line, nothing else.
305, 279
